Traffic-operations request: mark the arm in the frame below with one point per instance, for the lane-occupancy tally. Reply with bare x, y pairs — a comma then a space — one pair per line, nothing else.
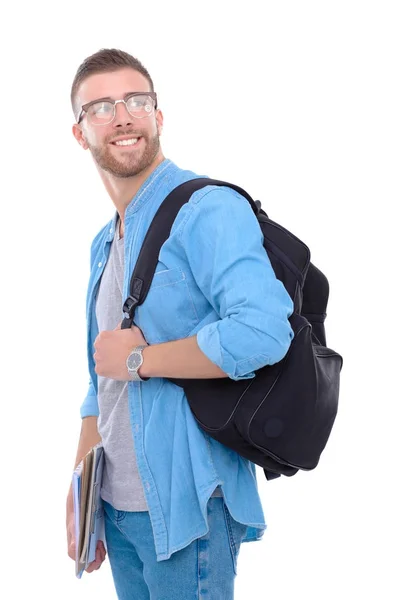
232, 269
178, 359
89, 437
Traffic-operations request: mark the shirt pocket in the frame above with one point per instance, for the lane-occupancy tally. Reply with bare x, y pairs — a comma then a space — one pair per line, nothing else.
168, 313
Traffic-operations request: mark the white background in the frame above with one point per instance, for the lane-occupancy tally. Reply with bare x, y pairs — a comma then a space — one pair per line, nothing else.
319, 145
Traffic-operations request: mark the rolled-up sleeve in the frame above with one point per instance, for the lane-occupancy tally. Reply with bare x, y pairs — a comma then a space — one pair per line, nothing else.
90, 406
223, 242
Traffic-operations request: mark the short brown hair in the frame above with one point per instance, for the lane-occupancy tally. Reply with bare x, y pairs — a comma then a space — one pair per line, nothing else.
106, 61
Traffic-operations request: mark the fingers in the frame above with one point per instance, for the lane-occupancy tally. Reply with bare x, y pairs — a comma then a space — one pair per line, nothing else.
94, 566
71, 550
100, 557
101, 549
71, 541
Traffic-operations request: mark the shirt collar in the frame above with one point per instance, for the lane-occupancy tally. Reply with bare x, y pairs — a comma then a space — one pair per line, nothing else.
147, 188
143, 193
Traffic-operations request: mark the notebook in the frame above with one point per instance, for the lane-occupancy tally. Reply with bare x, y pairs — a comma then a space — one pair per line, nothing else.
88, 508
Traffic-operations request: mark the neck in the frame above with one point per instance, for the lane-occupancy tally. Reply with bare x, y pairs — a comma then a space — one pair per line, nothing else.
122, 190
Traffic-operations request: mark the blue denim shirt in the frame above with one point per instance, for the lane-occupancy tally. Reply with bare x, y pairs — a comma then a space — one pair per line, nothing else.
213, 280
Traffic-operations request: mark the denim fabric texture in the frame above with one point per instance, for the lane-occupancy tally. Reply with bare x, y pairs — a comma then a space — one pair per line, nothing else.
205, 569
214, 281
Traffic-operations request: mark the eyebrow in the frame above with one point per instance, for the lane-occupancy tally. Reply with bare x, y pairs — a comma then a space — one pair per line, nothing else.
109, 99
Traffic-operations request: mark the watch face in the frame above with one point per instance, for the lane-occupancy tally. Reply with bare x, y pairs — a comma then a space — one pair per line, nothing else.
134, 361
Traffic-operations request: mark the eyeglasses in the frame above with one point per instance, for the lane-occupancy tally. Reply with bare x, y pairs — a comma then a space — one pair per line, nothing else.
102, 112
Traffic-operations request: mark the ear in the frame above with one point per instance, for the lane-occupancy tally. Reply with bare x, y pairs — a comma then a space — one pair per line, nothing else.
79, 136
160, 121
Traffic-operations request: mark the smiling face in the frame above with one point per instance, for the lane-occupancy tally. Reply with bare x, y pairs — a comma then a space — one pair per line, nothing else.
128, 145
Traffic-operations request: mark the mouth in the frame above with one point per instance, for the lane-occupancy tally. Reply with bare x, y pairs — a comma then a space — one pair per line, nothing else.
127, 143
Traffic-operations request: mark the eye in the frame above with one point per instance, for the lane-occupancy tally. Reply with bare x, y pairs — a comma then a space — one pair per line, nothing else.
142, 103
101, 109
136, 102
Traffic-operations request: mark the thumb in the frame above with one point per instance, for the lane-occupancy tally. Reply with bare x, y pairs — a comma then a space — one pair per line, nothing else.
118, 326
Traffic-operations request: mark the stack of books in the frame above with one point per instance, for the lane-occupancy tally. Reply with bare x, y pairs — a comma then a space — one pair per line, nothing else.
88, 509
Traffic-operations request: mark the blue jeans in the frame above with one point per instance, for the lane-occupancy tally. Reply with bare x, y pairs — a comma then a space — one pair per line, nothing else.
204, 569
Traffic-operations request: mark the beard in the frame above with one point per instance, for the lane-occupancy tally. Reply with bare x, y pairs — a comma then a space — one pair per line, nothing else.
131, 162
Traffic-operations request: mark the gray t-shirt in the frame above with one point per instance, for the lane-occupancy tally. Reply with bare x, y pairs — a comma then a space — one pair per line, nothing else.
122, 486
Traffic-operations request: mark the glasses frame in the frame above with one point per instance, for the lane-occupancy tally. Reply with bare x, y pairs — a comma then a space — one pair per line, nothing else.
85, 107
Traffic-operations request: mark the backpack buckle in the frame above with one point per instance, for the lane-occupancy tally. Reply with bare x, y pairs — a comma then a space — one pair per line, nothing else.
129, 306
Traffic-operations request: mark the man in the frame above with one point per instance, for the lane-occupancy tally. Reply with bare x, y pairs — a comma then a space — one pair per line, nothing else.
177, 503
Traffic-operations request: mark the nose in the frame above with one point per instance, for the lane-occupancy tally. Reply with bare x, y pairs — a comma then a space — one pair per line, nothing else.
122, 117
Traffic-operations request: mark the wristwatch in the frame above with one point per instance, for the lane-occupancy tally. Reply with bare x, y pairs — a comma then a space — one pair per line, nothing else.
134, 362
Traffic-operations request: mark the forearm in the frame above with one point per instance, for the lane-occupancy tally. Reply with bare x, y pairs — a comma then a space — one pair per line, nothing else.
89, 437
181, 359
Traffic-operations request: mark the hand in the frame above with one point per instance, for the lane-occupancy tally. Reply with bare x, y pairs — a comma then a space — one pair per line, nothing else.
100, 549
112, 350
70, 526
100, 558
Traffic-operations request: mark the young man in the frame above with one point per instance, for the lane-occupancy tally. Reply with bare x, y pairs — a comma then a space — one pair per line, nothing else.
178, 504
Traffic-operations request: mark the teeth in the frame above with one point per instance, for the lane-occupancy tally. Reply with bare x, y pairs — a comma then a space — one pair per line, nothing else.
126, 142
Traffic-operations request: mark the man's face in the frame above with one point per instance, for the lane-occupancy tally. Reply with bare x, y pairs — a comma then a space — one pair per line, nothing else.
119, 160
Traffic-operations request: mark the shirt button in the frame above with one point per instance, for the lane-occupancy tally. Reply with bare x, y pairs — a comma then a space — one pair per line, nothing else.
147, 486
100, 264
111, 230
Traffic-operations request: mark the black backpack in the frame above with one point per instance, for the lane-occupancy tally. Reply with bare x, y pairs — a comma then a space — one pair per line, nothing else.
282, 418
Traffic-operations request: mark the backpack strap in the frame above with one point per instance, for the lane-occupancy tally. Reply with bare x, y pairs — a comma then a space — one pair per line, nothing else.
315, 301
158, 233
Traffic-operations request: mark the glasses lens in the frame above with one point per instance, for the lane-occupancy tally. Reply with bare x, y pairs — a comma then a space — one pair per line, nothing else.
101, 113
140, 106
